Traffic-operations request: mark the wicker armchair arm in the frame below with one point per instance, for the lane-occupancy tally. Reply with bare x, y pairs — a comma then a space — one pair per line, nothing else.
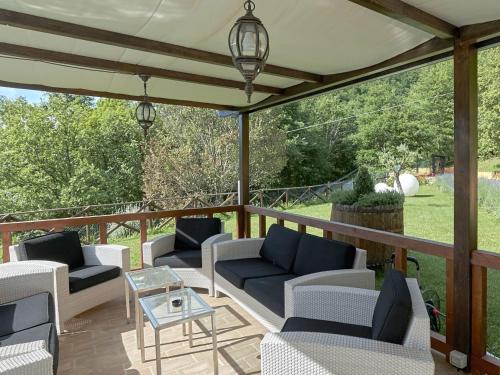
110, 255
297, 353
207, 251
26, 358
238, 249
157, 247
334, 303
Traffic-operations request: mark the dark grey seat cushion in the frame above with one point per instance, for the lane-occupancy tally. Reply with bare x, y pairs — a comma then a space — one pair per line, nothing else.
325, 326
393, 309
236, 271
87, 276
46, 332
180, 259
190, 233
280, 246
26, 313
62, 247
270, 291
316, 254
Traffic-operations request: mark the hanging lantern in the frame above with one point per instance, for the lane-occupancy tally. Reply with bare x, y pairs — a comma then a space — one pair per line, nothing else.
145, 112
249, 45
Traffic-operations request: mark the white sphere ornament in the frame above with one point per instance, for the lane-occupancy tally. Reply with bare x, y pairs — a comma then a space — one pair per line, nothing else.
409, 183
382, 187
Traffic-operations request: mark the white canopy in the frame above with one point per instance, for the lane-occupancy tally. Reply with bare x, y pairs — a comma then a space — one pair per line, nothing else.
323, 37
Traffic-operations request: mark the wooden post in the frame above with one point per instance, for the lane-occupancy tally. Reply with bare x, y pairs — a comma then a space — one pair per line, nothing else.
262, 226
144, 238
479, 309
240, 218
400, 262
450, 300
301, 228
103, 233
248, 225
280, 222
327, 234
244, 159
465, 189
6, 242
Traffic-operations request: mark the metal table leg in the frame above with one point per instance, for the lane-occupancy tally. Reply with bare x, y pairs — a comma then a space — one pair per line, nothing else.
158, 356
127, 299
137, 313
140, 319
214, 344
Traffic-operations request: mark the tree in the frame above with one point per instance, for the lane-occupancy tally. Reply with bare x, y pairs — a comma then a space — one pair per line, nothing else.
397, 160
193, 151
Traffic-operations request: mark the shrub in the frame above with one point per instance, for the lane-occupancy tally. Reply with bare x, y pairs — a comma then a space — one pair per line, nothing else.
363, 182
389, 198
344, 197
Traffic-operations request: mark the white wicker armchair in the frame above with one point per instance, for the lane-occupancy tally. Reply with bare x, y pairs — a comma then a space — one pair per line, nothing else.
195, 277
297, 353
70, 304
357, 277
20, 280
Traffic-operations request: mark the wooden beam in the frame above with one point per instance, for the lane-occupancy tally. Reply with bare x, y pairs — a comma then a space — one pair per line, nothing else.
244, 159
124, 68
465, 189
410, 15
112, 95
71, 30
432, 50
480, 31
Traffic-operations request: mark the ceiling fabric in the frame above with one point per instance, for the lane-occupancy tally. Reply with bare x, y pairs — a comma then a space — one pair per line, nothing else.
315, 36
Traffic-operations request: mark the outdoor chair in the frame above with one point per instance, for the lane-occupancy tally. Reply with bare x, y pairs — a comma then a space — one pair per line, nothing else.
28, 331
341, 330
86, 276
261, 273
189, 251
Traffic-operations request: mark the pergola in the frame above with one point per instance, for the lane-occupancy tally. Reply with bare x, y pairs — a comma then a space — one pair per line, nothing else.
98, 48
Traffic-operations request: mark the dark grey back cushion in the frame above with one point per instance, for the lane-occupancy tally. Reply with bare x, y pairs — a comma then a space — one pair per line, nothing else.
280, 246
62, 247
393, 309
190, 233
316, 254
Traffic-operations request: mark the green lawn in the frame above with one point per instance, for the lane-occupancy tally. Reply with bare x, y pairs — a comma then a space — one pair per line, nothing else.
489, 165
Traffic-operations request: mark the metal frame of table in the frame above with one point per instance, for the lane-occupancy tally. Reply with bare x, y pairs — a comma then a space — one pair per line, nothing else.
188, 319
179, 283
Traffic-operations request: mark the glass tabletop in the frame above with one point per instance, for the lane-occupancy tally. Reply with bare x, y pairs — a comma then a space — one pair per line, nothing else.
152, 278
174, 307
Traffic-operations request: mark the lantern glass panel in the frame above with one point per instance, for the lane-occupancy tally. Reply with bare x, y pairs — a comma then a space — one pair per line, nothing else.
248, 39
233, 40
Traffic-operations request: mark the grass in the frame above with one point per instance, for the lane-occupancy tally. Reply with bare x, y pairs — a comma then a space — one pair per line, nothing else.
489, 165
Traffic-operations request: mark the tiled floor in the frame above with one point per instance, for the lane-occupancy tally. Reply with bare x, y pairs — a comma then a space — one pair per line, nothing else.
101, 342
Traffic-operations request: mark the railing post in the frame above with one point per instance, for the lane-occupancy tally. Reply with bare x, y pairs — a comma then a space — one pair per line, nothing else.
301, 228
240, 218
280, 222
327, 234
400, 262
262, 226
6, 242
103, 233
248, 225
450, 300
144, 238
479, 308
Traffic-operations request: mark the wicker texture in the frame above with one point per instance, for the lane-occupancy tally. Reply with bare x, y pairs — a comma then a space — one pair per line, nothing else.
295, 353
238, 249
194, 277
70, 304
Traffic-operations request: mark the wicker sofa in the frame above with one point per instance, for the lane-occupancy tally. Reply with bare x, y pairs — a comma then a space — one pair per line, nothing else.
189, 251
261, 274
339, 330
28, 333
86, 276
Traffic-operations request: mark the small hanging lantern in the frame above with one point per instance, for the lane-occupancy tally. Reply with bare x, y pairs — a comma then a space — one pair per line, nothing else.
249, 45
145, 112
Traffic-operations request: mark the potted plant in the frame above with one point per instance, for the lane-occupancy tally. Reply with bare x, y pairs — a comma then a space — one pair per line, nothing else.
364, 207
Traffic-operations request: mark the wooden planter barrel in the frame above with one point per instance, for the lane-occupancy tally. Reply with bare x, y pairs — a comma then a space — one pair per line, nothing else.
386, 218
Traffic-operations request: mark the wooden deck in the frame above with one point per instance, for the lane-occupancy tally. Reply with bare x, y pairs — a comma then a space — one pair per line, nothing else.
100, 341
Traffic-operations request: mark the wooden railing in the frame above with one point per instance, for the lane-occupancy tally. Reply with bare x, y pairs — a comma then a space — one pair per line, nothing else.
7, 229
481, 362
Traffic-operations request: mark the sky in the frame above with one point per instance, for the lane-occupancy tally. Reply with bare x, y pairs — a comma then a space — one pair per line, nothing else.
30, 95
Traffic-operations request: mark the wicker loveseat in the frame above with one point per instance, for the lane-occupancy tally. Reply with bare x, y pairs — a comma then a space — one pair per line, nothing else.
261, 274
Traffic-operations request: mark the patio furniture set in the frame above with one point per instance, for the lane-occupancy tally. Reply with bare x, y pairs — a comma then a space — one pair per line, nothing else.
314, 295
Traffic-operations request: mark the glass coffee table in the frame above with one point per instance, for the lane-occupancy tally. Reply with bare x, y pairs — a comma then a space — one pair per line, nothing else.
148, 280
166, 310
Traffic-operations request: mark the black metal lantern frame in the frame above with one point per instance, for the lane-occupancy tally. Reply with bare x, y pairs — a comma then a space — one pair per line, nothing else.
145, 112
249, 46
